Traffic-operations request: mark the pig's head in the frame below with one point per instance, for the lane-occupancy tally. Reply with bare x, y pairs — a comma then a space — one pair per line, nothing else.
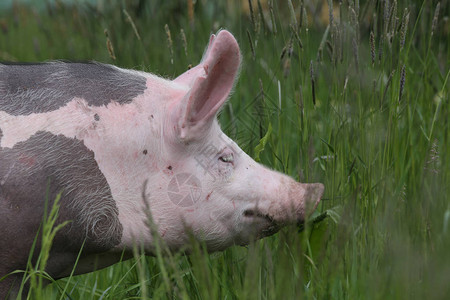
218, 193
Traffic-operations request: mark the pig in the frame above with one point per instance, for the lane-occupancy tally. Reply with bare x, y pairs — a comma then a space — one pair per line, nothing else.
129, 151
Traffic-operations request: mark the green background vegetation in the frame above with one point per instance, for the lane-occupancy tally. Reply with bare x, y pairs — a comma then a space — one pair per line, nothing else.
375, 132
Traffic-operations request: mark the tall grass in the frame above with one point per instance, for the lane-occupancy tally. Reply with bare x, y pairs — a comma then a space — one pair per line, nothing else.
357, 99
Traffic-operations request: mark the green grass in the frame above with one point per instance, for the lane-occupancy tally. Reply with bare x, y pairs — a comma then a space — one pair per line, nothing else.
377, 139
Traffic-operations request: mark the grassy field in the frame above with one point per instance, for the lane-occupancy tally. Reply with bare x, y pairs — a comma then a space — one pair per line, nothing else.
357, 98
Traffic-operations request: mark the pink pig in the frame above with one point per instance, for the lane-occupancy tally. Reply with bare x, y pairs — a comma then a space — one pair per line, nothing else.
124, 147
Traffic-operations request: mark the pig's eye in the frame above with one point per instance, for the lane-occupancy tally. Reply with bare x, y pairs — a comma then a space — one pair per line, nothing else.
228, 158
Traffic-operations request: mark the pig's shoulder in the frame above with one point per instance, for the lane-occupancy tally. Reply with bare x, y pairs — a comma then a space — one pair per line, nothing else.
27, 88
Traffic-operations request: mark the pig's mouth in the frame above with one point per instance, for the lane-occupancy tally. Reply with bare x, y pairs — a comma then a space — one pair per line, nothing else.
250, 213
270, 225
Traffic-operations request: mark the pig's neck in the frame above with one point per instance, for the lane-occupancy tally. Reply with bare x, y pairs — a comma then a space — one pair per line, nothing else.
130, 152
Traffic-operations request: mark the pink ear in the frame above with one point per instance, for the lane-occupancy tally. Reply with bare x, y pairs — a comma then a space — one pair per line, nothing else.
212, 81
187, 78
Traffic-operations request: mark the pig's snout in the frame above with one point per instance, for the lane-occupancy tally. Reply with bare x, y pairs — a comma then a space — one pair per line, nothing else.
288, 202
302, 199
309, 195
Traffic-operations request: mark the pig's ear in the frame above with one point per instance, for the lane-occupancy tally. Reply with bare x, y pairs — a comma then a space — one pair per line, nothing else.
188, 77
211, 87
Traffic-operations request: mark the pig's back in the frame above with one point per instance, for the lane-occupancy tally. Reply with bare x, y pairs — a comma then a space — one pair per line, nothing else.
43, 87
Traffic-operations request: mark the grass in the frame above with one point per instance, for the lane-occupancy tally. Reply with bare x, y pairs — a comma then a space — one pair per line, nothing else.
367, 116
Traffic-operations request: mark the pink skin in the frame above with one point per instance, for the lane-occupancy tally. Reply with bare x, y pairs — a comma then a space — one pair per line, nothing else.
164, 133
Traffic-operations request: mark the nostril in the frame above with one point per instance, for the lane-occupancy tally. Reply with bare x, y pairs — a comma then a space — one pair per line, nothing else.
249, 213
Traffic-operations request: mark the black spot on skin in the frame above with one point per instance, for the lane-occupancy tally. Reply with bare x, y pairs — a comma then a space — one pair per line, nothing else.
169, 167
44, 87
151, 116
96, 117
145, 151
37, 170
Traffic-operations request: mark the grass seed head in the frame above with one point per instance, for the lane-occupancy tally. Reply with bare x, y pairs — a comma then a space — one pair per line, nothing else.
354, 23
336, 42
435, 18
262, 20
386, 15
433, 158
286, 67
300, 21
402, 82
355, 53
109, 45
300, 99
394, 19
372, 47
380, 48
330, 11
404, 28
292, 11
169, 42
184, 41
313, 89
252, 14
272, 18
305, 18
190, 5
